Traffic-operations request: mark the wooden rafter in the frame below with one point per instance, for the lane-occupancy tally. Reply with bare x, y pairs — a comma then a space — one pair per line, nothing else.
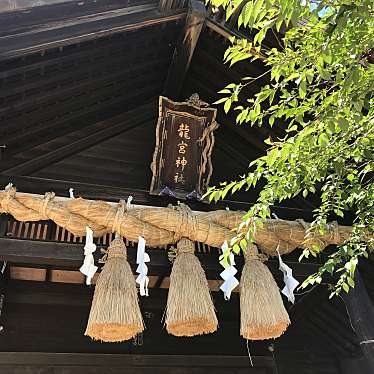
60, 34
184, 50
109, 128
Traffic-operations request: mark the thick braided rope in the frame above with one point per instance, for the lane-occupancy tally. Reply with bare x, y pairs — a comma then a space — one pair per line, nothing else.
47, 198
283, 243
189, 224
118, 218
10, 194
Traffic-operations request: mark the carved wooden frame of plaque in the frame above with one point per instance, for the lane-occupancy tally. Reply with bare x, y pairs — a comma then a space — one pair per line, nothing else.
198, 111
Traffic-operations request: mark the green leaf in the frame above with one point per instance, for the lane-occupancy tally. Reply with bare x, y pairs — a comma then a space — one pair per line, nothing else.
345, 287
329, 266
231, 85
243, 244
247, 12
236, 249
323, 140
339, 213
224, 262
309, 76
221, 100
257, 9
343, 124
351, 177
227, 105
292, 128
225, 91
351, 282
272, 156
302, 87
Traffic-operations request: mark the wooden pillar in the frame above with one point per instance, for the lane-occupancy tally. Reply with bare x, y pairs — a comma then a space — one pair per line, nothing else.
3, 269
361, 313
184, 49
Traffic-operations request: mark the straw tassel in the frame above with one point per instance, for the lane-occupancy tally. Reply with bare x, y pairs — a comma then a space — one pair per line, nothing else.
190, 310
262, 313
115, 313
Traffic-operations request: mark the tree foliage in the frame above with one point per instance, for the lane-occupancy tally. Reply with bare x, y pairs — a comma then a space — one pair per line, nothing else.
321, 85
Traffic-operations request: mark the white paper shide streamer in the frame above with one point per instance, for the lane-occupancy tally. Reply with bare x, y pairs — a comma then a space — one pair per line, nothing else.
8, 186
141, 258
71, 193
228, 275
129, 202
290, 282
88, 268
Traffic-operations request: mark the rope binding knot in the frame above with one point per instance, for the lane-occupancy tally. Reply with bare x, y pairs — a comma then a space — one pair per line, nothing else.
253, 254
185, 245
117, 248
187, 225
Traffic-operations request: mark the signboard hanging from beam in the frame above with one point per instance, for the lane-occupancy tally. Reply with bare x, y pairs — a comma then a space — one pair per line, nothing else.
181, 163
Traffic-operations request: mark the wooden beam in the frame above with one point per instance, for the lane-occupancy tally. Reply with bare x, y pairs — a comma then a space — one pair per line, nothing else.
184, 50
82, 29
80, 52
361, 313
61, 255
132, 363
25, 14
79, 295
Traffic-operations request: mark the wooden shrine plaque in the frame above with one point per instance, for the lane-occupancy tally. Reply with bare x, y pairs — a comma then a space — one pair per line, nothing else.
181, 163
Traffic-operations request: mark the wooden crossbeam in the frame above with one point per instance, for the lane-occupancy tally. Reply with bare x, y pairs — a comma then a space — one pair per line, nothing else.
81, 29
78, 295
23, 15
132, 363
184, 50
60, 255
